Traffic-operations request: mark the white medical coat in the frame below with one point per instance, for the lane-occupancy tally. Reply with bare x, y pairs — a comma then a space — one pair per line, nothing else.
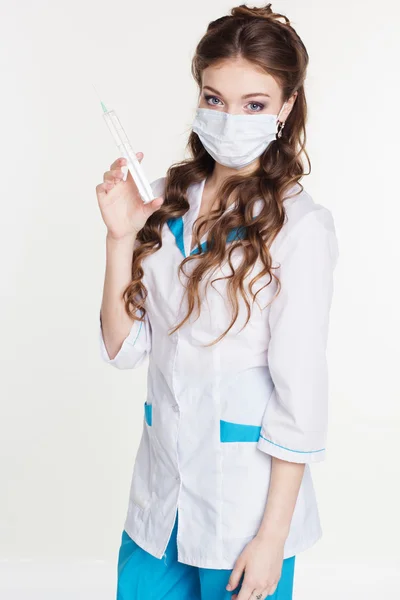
214, 417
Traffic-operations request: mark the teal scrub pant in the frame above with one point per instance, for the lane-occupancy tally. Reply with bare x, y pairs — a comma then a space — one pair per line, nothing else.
141, 576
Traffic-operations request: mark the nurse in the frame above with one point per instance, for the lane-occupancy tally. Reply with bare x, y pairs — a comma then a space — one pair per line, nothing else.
224, 284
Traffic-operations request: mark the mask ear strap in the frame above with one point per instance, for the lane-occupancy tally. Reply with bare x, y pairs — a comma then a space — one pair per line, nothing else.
283, 106
282, 125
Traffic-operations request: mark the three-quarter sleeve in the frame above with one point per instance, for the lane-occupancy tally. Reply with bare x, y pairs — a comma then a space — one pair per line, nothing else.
137, 344
134, 348
294, 426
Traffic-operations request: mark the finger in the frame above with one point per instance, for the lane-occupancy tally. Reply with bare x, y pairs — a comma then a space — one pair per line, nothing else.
154, 205
103, 188
245, 592
260, 595
108, 186
114, 176
118, 163
235, 576
101, 191
269, 591
263, 594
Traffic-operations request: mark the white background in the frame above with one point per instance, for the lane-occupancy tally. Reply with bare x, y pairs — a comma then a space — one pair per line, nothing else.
70, 424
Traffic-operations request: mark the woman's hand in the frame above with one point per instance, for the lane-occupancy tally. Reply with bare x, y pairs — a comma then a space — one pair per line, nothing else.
261, 561
121, 206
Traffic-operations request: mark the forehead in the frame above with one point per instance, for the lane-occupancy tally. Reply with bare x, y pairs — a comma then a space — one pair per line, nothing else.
235, 77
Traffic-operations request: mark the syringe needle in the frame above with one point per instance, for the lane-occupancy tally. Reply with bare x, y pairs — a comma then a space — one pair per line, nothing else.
98, 95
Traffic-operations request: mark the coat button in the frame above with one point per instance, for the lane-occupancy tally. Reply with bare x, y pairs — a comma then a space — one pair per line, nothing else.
178, 478
175, 407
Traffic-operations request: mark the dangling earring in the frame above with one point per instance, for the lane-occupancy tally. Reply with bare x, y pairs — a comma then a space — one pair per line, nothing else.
280, 127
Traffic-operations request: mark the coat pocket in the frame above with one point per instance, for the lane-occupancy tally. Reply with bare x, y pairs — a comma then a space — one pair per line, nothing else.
244, 490
238, 432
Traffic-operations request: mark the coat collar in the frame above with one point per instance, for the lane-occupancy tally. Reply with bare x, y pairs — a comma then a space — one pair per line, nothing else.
182, 227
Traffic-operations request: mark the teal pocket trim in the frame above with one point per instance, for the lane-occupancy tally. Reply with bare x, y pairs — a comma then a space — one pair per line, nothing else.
148, 413
238, 432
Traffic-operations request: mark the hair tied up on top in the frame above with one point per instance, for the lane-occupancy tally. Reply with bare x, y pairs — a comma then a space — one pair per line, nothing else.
264, 12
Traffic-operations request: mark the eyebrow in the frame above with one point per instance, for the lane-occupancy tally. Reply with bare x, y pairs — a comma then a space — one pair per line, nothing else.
245, 96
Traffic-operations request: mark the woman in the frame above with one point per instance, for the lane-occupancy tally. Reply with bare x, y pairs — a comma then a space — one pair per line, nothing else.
225, 283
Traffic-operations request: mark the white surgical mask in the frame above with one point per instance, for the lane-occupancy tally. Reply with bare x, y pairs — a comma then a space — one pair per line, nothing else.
235, 140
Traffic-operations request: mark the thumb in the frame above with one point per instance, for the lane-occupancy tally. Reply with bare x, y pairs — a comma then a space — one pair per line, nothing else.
154, 205
235, 576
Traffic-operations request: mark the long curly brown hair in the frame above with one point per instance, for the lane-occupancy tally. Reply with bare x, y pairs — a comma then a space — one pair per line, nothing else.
258, 35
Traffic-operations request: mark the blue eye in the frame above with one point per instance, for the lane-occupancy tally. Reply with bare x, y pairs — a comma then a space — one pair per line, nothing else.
259, 106
211, 98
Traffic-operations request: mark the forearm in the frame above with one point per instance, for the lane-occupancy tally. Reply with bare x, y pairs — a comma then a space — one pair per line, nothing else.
115, 322
284, 487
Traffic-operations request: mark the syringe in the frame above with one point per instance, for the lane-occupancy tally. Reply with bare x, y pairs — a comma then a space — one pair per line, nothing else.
124, 147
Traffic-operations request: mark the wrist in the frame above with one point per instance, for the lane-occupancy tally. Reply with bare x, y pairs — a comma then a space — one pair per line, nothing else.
126, 240
272, 533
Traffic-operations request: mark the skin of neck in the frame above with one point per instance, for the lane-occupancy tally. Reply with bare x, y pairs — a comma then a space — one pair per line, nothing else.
220, 173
